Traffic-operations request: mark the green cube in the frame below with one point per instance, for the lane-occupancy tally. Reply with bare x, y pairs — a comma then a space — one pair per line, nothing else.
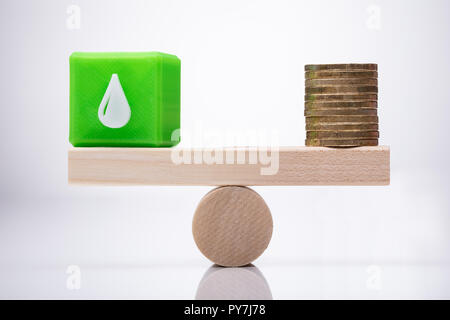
126, 99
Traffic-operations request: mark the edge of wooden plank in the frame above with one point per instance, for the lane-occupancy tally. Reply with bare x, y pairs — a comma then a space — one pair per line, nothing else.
298, 166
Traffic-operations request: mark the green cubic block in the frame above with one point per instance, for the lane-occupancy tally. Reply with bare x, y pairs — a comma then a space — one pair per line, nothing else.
126, 99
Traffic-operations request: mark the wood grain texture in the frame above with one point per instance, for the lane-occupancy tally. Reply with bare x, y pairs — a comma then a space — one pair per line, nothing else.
232, 226
296, 166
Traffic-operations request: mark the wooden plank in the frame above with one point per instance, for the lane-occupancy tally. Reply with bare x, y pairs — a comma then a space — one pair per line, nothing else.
296, 166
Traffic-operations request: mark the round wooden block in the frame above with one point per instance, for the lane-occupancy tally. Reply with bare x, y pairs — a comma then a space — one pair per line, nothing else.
232, 226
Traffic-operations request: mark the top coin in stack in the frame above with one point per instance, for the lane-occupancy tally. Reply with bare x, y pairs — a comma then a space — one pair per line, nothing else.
341, 105
342, 66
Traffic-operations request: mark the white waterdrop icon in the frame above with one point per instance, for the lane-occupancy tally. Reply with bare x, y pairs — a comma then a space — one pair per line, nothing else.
114, 110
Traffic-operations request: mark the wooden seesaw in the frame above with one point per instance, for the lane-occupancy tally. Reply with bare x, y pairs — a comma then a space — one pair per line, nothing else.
232, 225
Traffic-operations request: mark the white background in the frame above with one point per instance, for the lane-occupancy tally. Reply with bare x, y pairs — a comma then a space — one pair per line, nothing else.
242, 68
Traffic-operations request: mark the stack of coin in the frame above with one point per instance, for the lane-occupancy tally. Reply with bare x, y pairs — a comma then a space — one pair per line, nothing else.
341, 105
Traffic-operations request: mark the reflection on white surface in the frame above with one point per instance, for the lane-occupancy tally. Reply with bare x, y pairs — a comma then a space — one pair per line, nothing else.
244, 283
301, 280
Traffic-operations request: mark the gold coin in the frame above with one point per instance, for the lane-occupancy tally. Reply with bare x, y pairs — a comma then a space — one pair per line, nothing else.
341, 82
342, 126
341, 89
341, 112
341, 142
349, 134
339, 104
342, 119
340, 74
341, 97
342, 66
